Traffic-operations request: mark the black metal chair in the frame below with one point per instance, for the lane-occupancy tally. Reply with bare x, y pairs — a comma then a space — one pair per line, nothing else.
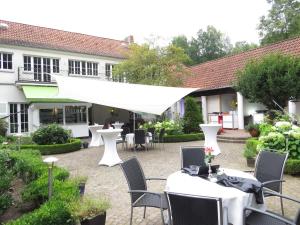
192, 155
269, 169
152, 131
139, 195
258, 217
140, 138
160, 138
194, 210
125, 131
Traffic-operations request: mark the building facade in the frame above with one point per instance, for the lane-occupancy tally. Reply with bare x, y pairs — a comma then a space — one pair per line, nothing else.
30, 55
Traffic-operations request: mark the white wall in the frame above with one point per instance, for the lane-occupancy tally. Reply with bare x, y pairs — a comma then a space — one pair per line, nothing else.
226, 100
250, 108
213, 103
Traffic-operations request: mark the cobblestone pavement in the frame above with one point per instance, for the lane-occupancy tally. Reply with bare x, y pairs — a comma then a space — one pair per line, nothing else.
110, 181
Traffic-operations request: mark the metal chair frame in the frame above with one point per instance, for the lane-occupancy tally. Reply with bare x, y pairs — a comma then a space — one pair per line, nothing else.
190, 148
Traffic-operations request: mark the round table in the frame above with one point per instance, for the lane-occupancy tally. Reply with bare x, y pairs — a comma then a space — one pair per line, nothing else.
110, 156
118, 125
233, 200
210, 132
96, 137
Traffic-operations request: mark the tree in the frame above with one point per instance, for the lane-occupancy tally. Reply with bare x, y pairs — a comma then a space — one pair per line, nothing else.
273, 77
282, 21
208, 45
242, 46
192, 116
153, 66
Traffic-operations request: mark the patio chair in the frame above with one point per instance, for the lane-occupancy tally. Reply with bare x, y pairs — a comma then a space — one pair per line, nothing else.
139, 195
152, 131
140, 139
258, 217
125, 131
160, 138
269, 169
194, 210
192, 155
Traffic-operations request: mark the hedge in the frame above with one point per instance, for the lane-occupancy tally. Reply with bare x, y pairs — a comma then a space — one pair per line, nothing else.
292, 167
183, 137
73, 145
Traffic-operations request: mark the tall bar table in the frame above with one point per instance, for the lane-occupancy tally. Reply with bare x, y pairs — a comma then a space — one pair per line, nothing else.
210, 132
96, 137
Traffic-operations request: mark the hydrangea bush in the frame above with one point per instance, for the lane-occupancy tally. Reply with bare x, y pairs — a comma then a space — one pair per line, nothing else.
170, 126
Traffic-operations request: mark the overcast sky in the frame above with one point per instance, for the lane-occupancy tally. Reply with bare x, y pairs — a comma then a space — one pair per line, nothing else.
142, 18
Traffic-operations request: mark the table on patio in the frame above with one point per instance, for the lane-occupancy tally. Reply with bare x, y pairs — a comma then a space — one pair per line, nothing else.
118, 125
210, 132
233, 200
130, 138
96, 137
110, 156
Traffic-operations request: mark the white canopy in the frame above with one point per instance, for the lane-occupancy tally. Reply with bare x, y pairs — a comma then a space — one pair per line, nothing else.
132, 97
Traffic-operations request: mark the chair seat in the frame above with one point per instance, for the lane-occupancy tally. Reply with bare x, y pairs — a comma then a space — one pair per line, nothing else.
151, 200
260, 219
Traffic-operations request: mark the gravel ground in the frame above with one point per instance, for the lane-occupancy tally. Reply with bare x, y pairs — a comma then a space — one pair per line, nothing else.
109, 182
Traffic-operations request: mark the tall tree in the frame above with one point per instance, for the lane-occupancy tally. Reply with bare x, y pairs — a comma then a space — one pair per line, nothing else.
273, 77
242, 46
282, 21
154, 66
209, 44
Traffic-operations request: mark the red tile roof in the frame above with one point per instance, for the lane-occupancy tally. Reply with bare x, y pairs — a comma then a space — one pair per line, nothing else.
220, 73
47, 38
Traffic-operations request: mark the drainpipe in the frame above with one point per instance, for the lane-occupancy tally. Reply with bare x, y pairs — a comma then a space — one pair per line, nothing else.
240, 107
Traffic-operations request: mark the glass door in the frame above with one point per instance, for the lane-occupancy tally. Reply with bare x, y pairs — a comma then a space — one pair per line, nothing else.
42, 69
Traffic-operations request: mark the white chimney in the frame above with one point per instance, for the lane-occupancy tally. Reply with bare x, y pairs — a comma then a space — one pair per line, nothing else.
3, 26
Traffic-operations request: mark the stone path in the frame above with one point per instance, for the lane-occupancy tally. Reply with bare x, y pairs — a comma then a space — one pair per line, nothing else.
110, 182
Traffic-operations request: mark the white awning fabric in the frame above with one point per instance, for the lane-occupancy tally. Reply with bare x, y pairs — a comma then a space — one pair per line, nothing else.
132, 97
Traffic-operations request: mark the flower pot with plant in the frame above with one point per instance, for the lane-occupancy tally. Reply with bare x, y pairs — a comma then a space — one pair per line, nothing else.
253, 129
90, 211
250, 151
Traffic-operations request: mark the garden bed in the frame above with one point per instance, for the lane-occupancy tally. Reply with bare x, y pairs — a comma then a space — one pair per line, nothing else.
73, 145
183, 137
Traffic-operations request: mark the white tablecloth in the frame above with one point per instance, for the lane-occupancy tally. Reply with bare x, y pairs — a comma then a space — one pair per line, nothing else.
96, 137
233, 200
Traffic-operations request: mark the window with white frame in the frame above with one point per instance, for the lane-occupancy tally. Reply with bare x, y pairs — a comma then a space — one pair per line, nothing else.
50, 65
18, 118
5, 61
77, 67
76, 114
108, 70
51, 115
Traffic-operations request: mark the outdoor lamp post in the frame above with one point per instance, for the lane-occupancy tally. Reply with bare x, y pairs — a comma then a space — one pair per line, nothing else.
50, 161
19, 135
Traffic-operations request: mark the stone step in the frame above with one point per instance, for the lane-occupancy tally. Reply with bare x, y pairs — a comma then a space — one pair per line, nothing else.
227, 140
232, 137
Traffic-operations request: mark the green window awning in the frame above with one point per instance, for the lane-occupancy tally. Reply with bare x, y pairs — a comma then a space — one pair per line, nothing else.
43, 94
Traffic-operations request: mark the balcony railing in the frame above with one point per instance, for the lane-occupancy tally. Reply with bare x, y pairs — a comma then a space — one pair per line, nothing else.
46, 78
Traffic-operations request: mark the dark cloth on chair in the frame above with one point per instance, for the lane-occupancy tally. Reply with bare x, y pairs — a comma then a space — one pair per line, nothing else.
243, 184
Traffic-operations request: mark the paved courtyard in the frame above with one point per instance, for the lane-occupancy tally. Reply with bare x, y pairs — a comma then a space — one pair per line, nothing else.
111, 183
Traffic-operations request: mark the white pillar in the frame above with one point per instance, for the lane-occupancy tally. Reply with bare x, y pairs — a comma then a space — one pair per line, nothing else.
204, 109
240, 106
292, 108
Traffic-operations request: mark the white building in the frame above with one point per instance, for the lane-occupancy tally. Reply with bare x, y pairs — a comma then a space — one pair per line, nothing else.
29, 55
216, 93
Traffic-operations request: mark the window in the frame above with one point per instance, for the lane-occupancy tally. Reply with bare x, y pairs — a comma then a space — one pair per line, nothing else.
48, 116
89, 68
18, 118
5, 61
83, 68
108, 70
55, 65
95, 69
27, 63
75, 114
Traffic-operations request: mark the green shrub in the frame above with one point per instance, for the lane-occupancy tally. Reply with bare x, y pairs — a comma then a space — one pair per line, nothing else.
192, 116
51, 134
265, 128
274, 140
54, 212
183, 137
2, 139
73, 145
3, 127
5, 202
294, 145
250, 150
292, 167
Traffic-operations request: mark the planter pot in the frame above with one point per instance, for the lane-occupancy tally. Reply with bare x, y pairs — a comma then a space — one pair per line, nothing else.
81, 187
250, 162
85, 144
254, 132
97, 220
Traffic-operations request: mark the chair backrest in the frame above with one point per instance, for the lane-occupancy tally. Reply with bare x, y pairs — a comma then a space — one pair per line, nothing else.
151, 130
297, 219
135, 177
270, 166
140, 136
161, 134
192, 155
125, 131
194, 210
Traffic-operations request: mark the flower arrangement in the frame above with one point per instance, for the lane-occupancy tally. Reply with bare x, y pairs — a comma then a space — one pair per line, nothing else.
208, 154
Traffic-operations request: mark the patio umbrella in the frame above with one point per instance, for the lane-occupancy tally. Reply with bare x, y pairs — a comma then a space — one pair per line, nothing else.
132, 97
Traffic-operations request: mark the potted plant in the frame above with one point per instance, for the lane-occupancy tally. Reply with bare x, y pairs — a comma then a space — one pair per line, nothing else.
250, 151
85, 144
81, 181
253, 129
90, 211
